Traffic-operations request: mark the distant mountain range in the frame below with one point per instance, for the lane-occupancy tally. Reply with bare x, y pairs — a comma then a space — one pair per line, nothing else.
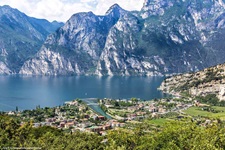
165, 37
20, 38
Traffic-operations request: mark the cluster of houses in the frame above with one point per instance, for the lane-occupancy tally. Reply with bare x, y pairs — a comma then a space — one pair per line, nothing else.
143, 109
93, 122
86, 124
111, 124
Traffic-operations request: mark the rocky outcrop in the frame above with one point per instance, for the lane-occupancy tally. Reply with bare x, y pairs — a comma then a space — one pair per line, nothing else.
155, 7
208, 81
79, 42
165, 37
21, 37
47, 63
4, 69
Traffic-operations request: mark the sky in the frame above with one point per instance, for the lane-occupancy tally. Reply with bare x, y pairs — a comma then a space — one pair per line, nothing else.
62, 10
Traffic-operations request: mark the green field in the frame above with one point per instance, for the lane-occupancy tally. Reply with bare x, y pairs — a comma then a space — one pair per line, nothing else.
159, 121
196, 111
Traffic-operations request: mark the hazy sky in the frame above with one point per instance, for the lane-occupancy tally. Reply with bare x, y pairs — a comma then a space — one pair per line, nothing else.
62, 10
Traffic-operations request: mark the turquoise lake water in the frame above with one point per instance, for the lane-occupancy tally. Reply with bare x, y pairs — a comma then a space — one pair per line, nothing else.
27, 92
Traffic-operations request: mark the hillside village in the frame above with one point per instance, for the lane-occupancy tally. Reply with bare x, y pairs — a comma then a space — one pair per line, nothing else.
202, 83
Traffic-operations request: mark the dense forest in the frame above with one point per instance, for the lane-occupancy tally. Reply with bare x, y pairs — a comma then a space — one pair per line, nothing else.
180, 134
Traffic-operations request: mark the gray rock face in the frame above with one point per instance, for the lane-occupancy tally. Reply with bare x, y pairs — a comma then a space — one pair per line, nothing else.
4, 69
79, 44
165, 37
120, 55
20, 38
155, 7
47, 63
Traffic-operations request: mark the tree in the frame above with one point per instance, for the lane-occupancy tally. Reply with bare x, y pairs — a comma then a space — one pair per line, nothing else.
134, 100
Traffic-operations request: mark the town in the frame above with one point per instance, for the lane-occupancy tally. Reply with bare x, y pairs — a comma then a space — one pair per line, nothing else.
76, 115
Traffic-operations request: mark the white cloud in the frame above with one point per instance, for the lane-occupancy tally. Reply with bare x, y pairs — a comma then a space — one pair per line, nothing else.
62, 10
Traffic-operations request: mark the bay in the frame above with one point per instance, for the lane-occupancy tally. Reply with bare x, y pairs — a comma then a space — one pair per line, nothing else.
27, 92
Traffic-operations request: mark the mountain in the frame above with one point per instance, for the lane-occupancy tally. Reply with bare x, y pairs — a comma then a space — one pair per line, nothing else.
202, 83
165, 37
20, 38
76, 47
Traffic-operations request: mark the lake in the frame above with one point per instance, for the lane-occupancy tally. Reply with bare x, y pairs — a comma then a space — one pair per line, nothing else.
27, 92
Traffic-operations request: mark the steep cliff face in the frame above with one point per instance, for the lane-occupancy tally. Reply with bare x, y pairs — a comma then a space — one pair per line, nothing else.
20, 38
158, 43
79, 42
165, 37
155, 7
4, 69
55, 64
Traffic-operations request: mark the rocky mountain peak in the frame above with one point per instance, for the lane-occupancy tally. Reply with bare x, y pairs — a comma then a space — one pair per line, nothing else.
80, 18
11, 13
146, 2
6, 7
157, 2
171, 36
21, 37
155, 7
79, 25
114, 10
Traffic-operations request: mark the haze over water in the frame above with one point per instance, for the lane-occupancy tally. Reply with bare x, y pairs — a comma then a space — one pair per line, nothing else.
27, 92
